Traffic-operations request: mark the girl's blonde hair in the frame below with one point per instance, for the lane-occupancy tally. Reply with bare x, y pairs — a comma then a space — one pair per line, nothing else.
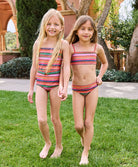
73, 37
42, 34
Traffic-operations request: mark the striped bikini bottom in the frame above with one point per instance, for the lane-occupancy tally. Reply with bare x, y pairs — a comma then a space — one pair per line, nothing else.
84, 89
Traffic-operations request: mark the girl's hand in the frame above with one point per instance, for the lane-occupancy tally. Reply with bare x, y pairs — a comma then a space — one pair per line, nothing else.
62, 93
98, 80
30, 96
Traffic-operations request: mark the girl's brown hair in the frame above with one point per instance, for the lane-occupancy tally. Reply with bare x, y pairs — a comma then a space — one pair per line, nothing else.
73, 37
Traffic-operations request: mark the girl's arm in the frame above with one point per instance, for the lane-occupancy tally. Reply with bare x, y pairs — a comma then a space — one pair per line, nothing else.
61, 82
32, 75
104, 64
65, 72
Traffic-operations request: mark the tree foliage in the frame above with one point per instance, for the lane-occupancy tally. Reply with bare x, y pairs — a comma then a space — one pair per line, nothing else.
135, 12
10, 39
135, 4
120, 32
29, 15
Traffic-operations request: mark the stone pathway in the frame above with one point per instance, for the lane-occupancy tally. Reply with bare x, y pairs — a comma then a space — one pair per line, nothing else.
127, 90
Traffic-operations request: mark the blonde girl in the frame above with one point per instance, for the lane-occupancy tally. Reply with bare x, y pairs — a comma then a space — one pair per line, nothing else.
84, 49
50, 52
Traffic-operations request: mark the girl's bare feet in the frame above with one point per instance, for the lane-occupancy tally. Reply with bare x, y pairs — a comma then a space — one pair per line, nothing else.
43, 154
57, 152
84, 159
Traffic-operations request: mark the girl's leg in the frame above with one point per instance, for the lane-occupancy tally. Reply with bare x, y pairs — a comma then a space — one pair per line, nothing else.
78, 109
41, 105
90, 107
55, 117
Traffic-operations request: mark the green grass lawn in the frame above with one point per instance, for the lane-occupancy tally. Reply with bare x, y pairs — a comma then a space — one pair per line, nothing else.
114, 143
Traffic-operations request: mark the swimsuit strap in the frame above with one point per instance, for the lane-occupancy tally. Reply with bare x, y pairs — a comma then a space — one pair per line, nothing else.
73, 48
95, 47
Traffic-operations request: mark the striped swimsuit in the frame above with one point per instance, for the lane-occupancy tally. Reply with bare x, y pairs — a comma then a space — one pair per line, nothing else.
51, 79
84, 58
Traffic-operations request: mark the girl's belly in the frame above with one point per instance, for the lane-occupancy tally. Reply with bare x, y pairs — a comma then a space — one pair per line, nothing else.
83, 75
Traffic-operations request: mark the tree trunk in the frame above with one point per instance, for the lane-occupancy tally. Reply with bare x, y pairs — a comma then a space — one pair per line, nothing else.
84, 7
104, 15
100, 40
63, 4
111, 64
132, 61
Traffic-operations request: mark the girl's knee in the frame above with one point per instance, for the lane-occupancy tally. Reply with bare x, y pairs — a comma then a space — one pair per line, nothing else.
79, 128
55, 121
88, 124
42, 122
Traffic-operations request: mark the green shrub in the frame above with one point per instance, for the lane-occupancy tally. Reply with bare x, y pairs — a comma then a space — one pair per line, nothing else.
122, 76
135, 78
110, 75
16, 68
118, 76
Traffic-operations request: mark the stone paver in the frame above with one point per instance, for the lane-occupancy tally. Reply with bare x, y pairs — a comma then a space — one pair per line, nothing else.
127, 90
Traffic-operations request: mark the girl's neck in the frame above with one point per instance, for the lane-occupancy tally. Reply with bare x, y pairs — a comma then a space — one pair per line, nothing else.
51, 39
84, 44
50, 42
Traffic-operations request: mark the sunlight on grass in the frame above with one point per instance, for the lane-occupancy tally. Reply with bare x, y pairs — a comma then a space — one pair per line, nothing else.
114, 143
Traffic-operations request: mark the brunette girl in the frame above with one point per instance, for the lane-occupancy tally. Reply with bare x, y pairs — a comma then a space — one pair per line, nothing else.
84, 50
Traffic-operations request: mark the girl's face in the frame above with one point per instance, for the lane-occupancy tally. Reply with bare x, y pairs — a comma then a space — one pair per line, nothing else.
85, 32
53, 27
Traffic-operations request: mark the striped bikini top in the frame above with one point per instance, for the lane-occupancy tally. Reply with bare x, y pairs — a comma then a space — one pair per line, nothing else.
45, 55
84, 58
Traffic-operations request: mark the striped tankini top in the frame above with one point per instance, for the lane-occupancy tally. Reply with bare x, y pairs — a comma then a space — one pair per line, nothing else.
84, 58
50, 79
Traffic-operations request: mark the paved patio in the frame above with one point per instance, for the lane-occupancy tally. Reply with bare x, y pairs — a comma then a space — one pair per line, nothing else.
127, 90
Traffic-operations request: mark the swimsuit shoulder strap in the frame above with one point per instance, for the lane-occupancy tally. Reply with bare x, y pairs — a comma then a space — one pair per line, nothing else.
73, 48
95, 47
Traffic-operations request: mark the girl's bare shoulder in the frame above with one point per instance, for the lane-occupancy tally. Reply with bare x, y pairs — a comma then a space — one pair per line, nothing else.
99, 47
65, 44
72, 47
100, 51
